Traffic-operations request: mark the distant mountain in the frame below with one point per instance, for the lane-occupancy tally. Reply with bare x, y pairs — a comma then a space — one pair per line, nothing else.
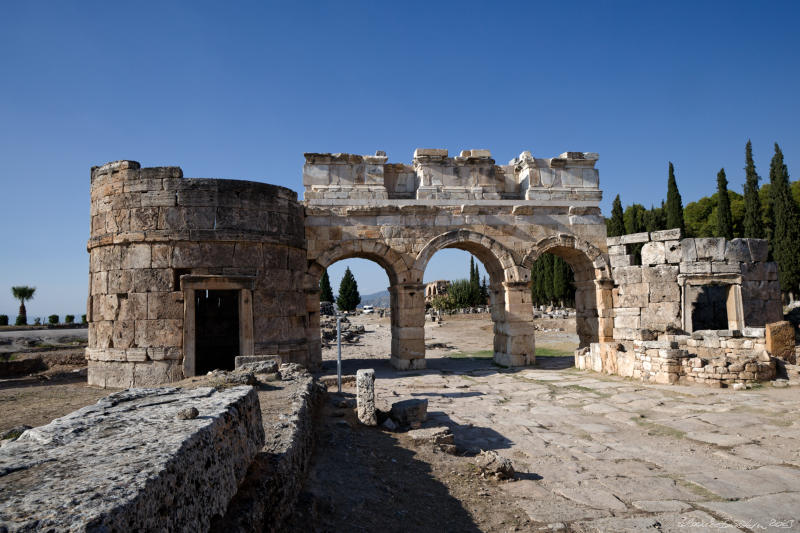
377, 299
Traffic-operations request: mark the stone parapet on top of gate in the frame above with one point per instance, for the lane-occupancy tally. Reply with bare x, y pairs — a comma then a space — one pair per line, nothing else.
473, 175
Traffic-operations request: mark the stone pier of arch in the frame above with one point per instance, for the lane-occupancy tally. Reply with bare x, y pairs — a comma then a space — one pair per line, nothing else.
400, 215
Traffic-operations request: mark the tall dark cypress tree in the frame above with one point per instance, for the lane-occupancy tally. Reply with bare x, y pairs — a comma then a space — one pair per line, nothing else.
561, 281
674, 203
325, 291
785, 242
753, 226
537, 282
474, 283
484, 292
549, 286
348, 292
724, 216
616, 224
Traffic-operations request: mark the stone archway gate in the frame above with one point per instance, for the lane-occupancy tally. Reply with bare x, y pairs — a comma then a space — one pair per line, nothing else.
399, 215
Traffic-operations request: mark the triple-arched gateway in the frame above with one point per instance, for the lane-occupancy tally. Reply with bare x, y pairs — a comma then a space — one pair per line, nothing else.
400, 215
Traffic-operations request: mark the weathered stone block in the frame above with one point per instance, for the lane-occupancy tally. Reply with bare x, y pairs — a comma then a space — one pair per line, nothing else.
666, 235
152, 280
634, 238
617, 250
710, 248
136, 256
661, 316
688, 251
632, 322
98, 451
780, 337
664, 292
661, 274
725, 267
627, 275
410, 412
697, 267
737, 250
620, 260
673, 252
653, 253
631, 295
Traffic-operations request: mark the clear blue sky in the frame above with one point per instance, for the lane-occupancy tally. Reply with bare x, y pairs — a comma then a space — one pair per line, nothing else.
241, 90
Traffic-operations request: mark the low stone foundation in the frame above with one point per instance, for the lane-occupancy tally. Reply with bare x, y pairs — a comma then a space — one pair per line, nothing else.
130, 463
711, 357
269, 491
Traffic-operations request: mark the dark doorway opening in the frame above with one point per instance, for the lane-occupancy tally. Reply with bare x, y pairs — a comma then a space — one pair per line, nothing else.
709, 310
216, 330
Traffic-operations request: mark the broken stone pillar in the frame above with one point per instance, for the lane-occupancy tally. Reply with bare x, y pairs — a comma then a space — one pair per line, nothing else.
513, 334
365, 396
408, 326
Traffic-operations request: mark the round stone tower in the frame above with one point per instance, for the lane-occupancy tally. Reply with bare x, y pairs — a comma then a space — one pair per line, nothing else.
186, 274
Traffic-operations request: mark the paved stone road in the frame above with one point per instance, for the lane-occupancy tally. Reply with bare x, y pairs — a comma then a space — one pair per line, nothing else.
600, 453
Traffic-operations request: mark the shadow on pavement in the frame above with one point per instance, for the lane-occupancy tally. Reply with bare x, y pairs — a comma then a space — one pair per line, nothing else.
361, 479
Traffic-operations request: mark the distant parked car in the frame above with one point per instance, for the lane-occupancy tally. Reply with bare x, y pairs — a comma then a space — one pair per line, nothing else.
367, 309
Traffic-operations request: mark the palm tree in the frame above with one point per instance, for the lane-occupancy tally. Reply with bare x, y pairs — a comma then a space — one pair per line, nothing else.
23, 293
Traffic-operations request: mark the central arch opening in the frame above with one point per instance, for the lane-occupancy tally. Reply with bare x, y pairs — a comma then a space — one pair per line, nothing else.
458, 301
493, 336
569, 286
553, 292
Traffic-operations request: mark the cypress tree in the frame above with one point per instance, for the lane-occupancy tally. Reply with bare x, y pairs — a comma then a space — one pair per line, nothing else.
753, 226
474, 283
724, 217
560, 280
325, 291
537, 282
616, 224
547, 260
655, 218
634, 218
484, 292
348, 292
786, 234
674, 204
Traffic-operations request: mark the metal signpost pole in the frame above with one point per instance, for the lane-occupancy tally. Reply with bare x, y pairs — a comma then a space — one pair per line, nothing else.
339, 356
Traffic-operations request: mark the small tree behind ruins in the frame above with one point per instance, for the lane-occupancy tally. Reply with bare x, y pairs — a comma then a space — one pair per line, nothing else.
23, 293
348, 292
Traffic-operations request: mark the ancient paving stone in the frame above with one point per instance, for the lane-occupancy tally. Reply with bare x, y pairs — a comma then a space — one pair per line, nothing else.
738, 484
660, 506
776, 512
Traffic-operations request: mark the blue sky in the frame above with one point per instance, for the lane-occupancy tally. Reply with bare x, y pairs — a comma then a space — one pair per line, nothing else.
241, 90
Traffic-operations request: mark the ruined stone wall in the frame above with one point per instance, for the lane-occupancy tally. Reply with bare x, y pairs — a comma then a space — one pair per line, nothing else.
654, 304
150, 227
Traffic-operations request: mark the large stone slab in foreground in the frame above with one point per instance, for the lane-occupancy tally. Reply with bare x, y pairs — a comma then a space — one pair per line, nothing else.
128, 463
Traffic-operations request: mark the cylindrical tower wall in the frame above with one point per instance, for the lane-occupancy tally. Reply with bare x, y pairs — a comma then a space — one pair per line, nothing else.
150, 227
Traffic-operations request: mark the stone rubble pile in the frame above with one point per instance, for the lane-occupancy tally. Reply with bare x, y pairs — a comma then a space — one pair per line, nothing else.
350, 333
493, 465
